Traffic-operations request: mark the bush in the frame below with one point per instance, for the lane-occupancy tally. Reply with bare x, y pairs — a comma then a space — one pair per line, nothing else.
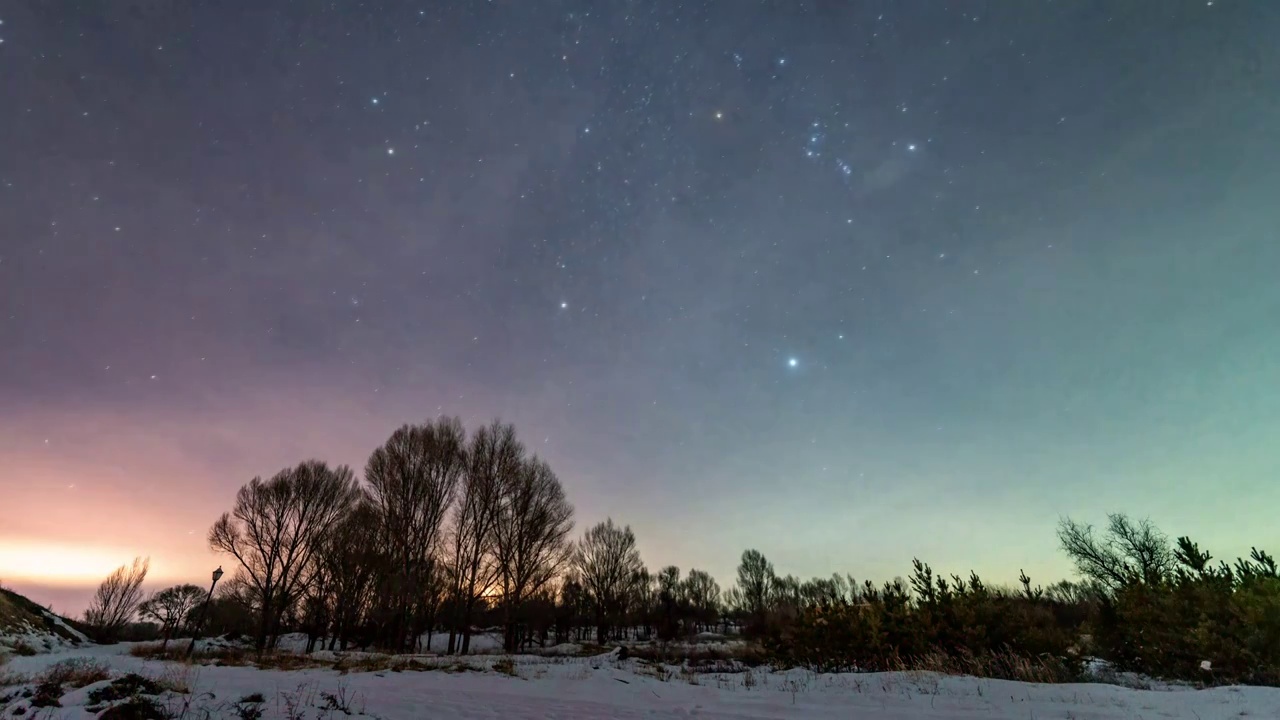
128, 686
135, 708
1170, 630
48, 694
250, 707
956, 626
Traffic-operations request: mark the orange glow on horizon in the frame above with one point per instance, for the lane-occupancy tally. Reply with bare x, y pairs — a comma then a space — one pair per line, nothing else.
60, 564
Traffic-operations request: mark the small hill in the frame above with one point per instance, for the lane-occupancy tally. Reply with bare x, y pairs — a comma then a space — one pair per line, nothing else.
27, 628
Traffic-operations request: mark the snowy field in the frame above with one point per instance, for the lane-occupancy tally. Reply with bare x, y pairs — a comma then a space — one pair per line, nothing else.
597, 688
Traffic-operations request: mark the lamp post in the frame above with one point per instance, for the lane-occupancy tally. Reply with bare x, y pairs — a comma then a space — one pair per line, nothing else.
204, 614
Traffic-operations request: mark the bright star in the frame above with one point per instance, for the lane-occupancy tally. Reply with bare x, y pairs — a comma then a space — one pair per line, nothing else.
564, 306
719, 115
374, 101
391, 151
912, 148
793, 362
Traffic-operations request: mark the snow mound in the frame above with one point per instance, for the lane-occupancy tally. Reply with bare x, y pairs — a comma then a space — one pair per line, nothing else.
27, 628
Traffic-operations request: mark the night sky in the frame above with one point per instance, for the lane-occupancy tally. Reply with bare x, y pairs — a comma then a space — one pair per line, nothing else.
848, 282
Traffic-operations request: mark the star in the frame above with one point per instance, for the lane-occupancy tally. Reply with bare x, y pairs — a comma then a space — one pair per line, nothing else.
911, 147
564, 306
792, 362
391, 151
719, 115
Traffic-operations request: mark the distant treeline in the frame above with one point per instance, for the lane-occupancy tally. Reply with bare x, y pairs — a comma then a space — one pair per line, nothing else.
449, 531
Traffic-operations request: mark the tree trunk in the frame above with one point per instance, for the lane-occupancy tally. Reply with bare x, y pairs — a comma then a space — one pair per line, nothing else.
509, 640
264, 625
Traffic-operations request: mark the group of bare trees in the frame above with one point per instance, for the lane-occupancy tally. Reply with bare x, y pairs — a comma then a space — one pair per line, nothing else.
276, 532
447, 531
443, 526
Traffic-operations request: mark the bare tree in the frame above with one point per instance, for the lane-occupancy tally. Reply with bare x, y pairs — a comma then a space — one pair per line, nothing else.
756, 582
1129, 552
703, 595
608, 563
492, 454
639, 605
670, 601
276, 529
530, 538
118, 597
411, 480
350, 560
172, 607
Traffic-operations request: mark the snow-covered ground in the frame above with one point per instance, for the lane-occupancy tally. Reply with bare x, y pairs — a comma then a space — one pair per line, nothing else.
604, 687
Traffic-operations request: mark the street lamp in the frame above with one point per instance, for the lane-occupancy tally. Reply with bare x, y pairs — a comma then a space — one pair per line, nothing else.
204, 614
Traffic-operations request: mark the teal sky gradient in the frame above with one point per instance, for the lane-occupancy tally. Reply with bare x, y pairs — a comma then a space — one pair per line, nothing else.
1026, 258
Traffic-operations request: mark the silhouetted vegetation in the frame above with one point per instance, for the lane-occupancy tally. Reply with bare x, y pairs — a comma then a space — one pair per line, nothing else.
1144, 605
1167, 610
449, 534
116, 601
172, 608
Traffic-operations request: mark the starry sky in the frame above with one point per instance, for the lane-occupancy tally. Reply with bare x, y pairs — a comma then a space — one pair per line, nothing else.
847, 282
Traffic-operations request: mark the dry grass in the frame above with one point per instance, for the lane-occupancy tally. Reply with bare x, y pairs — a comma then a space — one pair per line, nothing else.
177, 652
227, 656
9, 679
75, 673
1001, 665
379, 663
283, 660
728, 656
176, 678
